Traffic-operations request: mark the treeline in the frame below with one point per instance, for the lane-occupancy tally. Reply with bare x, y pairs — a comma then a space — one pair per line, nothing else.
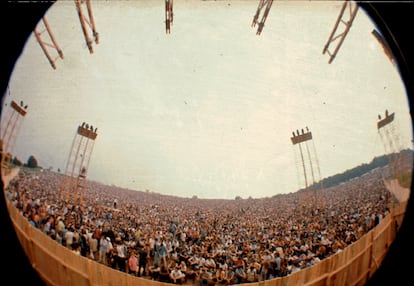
31, 162
405, 155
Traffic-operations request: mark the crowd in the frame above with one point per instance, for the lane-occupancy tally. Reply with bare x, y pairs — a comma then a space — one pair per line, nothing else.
211, 241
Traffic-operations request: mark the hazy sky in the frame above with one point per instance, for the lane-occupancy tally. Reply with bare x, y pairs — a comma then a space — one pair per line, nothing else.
207, 110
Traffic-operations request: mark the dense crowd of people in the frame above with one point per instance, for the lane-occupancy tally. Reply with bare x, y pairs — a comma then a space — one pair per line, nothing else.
211, 241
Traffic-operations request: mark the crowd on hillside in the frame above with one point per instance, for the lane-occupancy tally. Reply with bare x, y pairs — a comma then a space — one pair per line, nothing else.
175, 239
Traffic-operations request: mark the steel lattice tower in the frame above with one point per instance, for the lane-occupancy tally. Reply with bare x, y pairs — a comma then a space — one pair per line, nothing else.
77, 165
310, 167
12, 123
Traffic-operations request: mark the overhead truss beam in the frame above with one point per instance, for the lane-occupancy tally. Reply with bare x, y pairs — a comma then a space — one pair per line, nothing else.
266, 5
87, 23
337, 36
45, 45
169, 15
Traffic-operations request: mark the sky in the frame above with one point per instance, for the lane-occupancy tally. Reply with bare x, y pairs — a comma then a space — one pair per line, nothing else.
209, 109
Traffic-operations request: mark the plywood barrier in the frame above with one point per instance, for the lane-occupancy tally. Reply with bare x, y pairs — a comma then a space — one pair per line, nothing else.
399, 211
57, 265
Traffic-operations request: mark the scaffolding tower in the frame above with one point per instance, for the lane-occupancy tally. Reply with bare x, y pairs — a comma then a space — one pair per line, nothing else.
74, 180
12, 123
390, 138
310, 169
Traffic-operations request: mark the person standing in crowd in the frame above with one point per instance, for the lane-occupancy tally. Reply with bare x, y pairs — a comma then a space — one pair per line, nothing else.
93, 247
109, 248
69, 237
157, 257
142, 268
103, 247
60, 229
121, 252
278, 261
83, 243
133, 263
48, 228
162, 251
251, 274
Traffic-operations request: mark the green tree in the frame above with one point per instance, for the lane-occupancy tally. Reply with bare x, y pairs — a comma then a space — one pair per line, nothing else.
16, 162
32, 162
